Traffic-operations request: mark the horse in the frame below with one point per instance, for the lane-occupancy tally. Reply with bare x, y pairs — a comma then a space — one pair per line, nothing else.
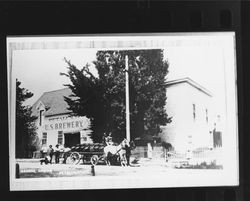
118, 152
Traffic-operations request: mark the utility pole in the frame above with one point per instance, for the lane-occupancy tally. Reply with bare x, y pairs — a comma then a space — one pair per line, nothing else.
127, 100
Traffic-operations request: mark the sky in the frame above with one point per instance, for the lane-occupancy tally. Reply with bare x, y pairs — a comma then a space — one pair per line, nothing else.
39, 70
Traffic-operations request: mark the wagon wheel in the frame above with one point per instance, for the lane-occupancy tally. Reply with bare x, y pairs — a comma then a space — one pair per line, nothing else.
74, 158
94, 160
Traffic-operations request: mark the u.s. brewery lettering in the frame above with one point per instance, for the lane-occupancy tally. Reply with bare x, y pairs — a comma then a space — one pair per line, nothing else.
64, 125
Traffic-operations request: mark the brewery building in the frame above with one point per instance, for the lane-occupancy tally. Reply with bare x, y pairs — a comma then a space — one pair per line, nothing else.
55, 123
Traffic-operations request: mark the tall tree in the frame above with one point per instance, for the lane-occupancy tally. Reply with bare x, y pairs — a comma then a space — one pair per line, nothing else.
25, 123
102, 98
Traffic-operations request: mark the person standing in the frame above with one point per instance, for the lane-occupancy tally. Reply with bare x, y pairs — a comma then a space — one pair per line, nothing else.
66, 153
50, 152
57, 154
128, 154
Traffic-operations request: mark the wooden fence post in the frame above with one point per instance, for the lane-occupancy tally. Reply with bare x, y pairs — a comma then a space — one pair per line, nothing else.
93, 170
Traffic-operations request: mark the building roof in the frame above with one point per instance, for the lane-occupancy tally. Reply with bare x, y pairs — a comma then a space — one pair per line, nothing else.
54, 102
191, 82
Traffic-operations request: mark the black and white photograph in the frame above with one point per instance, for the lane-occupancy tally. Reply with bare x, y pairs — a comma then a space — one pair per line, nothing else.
122, 111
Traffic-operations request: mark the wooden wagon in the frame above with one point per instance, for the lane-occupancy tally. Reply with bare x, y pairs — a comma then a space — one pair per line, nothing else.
87, 153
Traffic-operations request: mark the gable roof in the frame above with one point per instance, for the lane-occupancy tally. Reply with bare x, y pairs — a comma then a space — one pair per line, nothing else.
54, 102
192, 83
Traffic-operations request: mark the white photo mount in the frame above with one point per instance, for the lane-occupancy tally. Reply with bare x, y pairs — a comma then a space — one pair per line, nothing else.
20, 49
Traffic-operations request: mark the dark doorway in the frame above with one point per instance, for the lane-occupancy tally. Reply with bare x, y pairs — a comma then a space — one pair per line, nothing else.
217, 139
71, 139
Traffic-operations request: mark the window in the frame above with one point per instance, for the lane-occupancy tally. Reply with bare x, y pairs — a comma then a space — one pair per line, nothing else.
206, 115
40, 117
194, 112
60, 138
44, 139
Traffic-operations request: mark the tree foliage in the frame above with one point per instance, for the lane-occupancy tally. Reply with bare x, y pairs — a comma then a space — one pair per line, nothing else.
102, 98
25, 123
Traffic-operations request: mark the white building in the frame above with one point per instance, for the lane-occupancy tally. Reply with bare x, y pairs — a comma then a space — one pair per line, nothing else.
55, 124
190, 106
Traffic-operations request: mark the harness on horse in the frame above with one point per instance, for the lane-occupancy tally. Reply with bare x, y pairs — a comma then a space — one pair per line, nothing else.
112, 151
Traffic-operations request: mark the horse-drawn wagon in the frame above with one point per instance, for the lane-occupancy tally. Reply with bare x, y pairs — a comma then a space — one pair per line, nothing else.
95, 153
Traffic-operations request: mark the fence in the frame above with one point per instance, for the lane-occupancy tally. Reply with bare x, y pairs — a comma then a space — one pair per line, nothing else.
142, 152
158, 152
198, 155
208, 155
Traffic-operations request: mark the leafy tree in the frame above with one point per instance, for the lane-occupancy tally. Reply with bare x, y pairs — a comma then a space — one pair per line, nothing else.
102, 98
25, 123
